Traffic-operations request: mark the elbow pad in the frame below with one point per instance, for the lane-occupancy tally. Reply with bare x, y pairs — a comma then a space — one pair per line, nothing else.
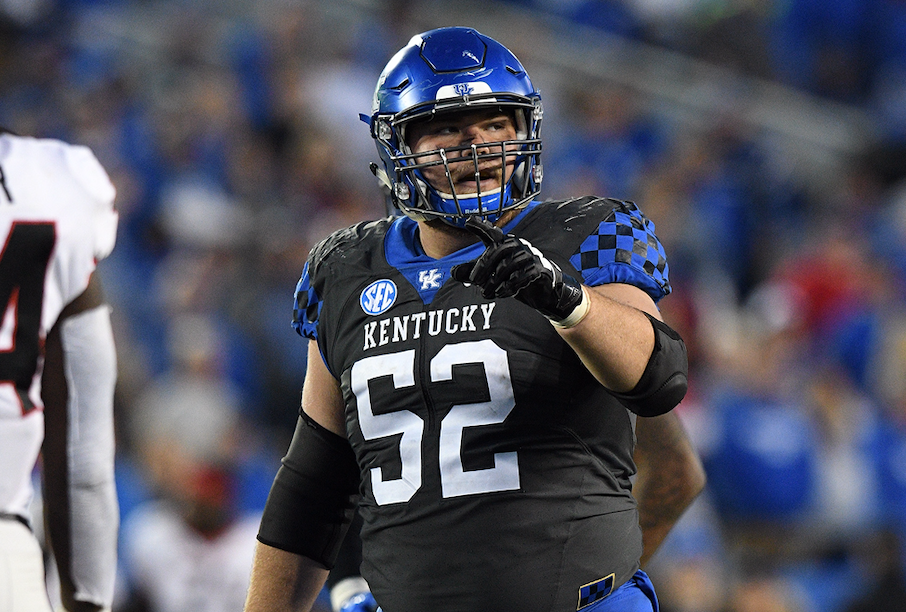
666, 377
314, 495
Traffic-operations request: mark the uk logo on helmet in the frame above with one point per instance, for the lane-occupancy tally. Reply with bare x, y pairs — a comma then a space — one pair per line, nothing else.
457, 90
378, 297
463, 89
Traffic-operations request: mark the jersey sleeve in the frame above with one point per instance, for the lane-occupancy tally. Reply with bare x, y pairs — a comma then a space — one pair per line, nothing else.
94, 181
306, 306
624, 249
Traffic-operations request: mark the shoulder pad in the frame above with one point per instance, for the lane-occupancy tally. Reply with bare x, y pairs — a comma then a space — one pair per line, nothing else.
340, 245
345, 243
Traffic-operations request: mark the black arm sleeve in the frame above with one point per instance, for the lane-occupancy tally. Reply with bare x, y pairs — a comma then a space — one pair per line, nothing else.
666, 377
314, 495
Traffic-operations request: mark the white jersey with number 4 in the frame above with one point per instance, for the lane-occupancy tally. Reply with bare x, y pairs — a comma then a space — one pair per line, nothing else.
57, 221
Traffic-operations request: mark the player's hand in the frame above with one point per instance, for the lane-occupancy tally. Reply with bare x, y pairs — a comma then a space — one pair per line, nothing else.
361, 602
512, 267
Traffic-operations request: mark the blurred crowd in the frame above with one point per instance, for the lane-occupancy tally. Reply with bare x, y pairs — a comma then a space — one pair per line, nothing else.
231, 131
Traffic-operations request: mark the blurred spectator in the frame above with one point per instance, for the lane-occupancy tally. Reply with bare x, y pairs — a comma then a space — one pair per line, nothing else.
608, 146
762, 457
190, 547
766, 593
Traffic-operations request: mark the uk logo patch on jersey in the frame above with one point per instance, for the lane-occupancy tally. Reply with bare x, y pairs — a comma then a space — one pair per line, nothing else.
378, 297
429, 279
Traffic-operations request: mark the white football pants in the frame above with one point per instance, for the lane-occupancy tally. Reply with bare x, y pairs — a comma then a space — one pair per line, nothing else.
22, 586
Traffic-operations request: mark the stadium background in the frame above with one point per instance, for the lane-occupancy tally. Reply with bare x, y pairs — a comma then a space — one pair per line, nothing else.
766, 138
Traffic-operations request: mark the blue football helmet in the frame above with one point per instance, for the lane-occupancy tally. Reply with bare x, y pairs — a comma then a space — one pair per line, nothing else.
455, 69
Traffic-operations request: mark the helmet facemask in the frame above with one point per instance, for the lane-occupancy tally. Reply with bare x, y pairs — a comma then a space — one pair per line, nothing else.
517, 160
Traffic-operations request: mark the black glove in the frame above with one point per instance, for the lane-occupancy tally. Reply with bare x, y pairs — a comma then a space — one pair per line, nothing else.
512, 267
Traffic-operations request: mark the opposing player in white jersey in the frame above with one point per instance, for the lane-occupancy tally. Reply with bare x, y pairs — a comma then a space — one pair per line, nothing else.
57, 373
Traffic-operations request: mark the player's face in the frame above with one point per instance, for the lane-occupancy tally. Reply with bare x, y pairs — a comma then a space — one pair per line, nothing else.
479, 127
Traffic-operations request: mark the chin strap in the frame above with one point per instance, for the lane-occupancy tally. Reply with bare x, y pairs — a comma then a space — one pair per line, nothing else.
380, 174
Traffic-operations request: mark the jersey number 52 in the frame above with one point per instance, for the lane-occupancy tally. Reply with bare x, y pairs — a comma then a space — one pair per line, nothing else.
455, 481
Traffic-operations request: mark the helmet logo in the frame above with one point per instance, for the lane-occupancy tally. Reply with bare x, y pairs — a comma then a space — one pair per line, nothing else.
457, 90
378, 297
463, 89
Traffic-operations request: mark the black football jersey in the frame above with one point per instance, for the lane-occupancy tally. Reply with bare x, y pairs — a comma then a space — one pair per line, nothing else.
495, 470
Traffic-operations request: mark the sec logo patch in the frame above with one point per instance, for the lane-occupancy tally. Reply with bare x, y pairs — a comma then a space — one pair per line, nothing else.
378, 297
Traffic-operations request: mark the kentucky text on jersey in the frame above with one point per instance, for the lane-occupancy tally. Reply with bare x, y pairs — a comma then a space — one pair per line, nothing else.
449, 321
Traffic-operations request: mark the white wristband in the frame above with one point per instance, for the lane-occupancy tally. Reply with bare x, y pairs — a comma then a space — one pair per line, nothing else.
578, 313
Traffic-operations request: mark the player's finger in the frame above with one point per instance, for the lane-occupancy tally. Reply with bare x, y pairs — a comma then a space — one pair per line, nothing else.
461, 272
488, 233
517, 264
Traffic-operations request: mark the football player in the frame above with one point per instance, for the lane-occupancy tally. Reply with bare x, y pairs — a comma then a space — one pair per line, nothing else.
58, 370
476, 367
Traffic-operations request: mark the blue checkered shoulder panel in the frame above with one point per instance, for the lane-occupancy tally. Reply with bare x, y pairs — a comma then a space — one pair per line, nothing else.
306, 307
624, 249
